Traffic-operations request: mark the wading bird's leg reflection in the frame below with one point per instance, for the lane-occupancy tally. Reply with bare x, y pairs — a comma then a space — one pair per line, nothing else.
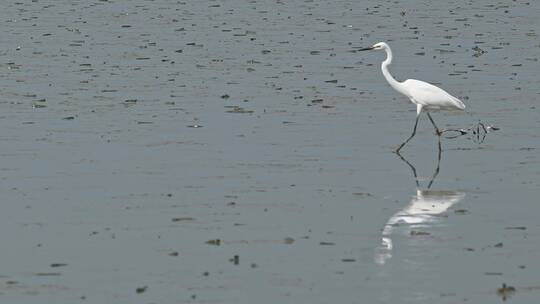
436, 172
413, 169
422, 212
410, 137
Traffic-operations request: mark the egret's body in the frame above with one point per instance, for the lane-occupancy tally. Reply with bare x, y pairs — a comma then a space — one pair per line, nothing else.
431, 97
425, 95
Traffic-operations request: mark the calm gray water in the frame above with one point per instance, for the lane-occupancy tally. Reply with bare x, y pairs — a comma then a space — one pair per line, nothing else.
288, 190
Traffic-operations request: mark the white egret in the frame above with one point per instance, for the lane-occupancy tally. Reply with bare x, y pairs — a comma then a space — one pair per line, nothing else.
426, 96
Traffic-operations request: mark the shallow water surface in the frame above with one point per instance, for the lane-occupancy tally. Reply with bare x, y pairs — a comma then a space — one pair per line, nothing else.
241, 151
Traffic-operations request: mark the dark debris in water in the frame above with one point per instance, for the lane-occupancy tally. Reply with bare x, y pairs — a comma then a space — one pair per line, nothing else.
183, 219
288, 240
461, 211
54, 265
327, 243
366, 194
506, 291
215, 242
141, 289
48, 274
38, 105
235, 260
238, 110
476, 132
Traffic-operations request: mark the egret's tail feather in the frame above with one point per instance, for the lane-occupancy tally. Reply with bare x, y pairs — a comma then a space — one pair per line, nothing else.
459, 104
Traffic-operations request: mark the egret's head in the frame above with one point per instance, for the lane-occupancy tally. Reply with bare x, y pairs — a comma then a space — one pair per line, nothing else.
379, 46
376, 46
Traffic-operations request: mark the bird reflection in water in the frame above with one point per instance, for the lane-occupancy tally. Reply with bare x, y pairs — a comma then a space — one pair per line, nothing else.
423, 211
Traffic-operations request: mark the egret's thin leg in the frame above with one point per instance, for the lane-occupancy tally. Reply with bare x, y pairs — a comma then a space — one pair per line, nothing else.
434, 125
438, 166
410, 137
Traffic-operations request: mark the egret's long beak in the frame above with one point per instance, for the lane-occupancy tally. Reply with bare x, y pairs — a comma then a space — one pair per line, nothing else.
366, 49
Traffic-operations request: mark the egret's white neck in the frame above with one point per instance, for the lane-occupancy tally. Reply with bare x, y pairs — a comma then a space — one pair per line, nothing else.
398, 86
